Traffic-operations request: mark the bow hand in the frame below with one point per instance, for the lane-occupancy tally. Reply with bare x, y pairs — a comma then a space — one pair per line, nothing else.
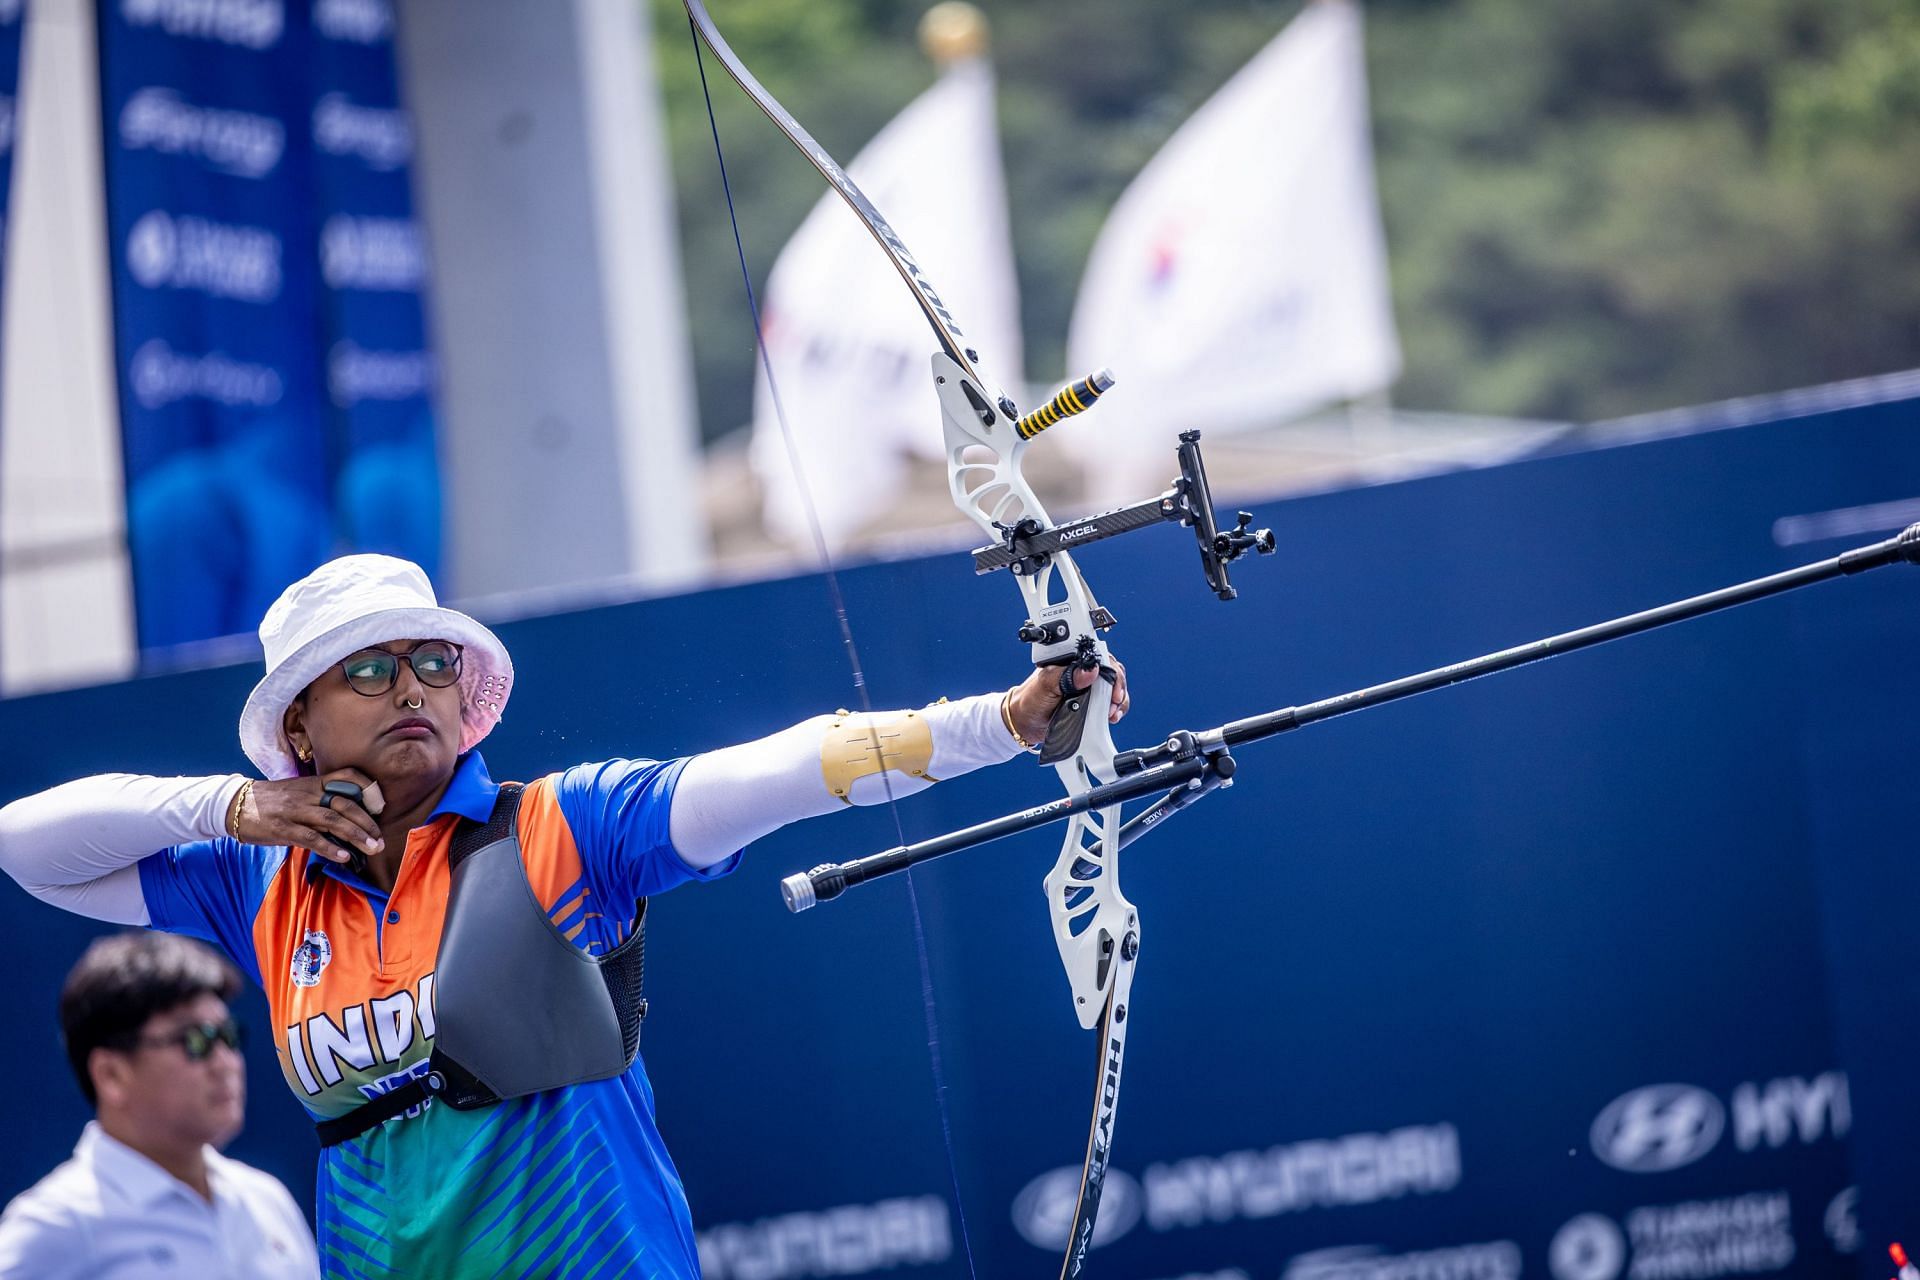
1037, 704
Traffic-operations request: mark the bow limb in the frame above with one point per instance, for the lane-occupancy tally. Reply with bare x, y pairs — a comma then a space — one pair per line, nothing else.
952, 342
1095, 928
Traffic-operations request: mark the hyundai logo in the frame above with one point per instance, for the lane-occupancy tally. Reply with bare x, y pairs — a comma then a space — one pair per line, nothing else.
1658, 1127
1043, 1211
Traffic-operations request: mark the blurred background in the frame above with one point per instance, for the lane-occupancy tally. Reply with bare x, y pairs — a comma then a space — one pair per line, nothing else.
1592, 209
374, 261
1507, 317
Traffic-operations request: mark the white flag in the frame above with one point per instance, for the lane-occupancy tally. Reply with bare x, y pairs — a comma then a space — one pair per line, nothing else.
848, 344
1242, 276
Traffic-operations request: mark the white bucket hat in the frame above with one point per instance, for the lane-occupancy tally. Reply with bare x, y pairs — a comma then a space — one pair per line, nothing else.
347, 605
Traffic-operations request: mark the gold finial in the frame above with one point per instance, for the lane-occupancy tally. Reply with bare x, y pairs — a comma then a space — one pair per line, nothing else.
952, 31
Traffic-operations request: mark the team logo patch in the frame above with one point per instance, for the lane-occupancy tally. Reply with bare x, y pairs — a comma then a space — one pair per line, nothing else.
310, 958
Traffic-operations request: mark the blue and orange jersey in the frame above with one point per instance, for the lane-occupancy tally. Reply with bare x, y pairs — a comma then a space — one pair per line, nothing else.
572, 1182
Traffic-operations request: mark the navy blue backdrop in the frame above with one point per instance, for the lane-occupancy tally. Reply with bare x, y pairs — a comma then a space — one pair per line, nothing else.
1591, 970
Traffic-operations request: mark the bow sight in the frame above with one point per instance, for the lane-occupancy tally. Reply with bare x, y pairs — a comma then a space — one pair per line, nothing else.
1025, 547
1063, 635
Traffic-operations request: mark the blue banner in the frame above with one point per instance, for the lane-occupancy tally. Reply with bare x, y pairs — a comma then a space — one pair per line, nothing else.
276, 383
373, 269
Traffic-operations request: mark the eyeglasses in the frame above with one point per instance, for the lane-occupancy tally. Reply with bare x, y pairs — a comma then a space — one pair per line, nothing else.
371, 672
197, 1041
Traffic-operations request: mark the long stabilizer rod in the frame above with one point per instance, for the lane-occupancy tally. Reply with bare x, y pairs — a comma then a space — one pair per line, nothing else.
1202, 761
1904, 549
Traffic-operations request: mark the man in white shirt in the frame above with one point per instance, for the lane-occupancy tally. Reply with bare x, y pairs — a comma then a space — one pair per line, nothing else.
156, 1051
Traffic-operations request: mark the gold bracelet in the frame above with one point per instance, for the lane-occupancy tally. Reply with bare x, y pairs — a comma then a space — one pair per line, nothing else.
239, 803
1006, 718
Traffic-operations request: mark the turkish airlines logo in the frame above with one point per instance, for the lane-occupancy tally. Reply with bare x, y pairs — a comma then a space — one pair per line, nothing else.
1588, 1248
1658, 1127
1738, 1235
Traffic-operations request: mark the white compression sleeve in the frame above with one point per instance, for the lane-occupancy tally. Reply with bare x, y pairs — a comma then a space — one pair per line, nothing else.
727, 799
75, 844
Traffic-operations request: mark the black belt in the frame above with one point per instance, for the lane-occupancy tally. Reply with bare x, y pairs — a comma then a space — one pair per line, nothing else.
372, 1114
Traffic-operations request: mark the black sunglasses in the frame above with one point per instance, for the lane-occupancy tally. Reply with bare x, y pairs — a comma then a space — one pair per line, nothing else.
197, 1041
371, 672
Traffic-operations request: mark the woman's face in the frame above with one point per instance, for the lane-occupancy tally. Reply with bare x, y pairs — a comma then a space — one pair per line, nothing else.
384, 735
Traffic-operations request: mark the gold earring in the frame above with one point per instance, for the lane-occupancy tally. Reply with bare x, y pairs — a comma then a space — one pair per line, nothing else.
304, 753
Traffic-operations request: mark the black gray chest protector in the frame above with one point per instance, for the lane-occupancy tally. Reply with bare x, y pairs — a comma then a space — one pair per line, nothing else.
518, 1008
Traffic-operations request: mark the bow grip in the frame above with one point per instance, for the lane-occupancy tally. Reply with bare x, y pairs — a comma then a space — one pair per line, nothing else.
1070, 717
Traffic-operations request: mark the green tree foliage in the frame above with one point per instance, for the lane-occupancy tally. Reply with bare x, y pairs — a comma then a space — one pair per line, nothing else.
1593, 207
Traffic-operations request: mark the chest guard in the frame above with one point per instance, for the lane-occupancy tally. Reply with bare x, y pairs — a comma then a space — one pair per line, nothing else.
518, 1008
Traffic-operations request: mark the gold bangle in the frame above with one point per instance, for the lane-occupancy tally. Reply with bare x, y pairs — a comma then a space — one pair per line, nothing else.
1006, 718
239, 803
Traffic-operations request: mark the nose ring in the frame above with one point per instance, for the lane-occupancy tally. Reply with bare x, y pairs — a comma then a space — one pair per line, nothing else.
413, 705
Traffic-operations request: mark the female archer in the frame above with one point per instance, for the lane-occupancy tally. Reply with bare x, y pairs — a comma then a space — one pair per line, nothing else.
450, 962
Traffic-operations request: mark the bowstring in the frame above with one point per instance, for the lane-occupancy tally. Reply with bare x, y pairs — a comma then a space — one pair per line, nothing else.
825, 560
